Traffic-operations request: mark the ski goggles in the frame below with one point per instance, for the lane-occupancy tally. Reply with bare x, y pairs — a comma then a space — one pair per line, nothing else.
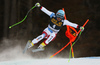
60, 16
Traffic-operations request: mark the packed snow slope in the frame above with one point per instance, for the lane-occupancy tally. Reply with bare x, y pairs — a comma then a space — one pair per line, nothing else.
11, 54
55, 61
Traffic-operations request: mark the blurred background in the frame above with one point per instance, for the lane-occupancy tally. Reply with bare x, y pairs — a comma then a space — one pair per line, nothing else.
77, 11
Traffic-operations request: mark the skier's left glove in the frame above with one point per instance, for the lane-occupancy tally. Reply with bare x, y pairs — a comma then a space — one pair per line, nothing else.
82, 28
37, 5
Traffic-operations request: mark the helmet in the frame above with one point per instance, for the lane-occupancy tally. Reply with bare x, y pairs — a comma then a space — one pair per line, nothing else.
60, 14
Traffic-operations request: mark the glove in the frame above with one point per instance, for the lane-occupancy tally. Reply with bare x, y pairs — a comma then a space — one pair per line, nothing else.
82, 28
37, 5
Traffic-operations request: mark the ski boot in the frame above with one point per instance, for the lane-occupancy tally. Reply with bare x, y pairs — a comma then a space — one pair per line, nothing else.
42, 45
30, 44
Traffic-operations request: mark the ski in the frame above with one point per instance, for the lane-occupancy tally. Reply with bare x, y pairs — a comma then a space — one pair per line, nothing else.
37, 50
26, 47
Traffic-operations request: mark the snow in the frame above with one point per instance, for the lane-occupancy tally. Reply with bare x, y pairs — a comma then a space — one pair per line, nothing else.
55, 61
14, 56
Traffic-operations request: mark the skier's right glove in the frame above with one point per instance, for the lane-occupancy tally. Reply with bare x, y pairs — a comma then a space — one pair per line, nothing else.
37, 5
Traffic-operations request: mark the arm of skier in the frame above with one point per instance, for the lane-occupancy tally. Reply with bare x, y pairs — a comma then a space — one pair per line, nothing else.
66, 22
49, 13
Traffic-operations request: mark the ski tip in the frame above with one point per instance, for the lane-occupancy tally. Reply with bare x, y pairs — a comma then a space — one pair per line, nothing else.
37, 50
23, 52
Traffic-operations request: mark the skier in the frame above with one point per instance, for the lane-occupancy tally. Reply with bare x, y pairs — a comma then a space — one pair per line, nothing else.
56, 22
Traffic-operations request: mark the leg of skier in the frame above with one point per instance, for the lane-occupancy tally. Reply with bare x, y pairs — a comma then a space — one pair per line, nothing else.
39, 38
49, 39
36, 40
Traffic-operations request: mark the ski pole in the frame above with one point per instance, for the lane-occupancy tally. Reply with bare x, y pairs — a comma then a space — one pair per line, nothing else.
23, 19
73, 45
72, 50
79, 32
